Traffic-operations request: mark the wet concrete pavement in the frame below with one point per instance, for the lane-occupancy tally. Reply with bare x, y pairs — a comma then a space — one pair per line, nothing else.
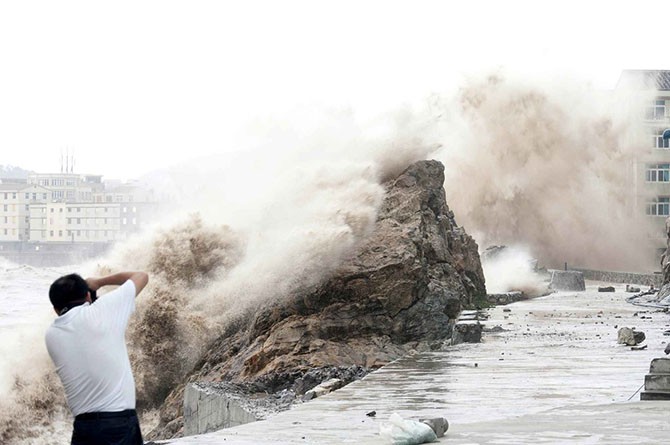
554, 375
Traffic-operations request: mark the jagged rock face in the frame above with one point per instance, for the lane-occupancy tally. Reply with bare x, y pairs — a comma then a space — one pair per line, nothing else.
406, 285
411, 277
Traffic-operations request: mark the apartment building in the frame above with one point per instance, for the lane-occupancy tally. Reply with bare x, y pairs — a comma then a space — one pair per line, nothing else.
77, 221
651, 170
16, 199
68, 207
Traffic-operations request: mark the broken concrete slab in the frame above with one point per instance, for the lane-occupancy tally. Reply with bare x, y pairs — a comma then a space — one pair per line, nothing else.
660, 366
324, 388
630, 337
469, 331
567, 280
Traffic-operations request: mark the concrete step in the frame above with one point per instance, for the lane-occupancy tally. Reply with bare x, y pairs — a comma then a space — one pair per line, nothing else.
655, 395
660, 366
657, 382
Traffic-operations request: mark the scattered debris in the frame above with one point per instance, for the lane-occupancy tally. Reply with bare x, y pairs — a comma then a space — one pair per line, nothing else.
494, 329
606, 289
638, 348
371, 414
631, 288
406, 432
630, 337
439, 425
323, 389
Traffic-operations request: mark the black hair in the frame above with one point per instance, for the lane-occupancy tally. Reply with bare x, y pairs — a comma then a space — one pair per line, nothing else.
66, 289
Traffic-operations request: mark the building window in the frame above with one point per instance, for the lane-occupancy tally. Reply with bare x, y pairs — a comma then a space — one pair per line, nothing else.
14, 195
656, 111
658, 173
659, 207
134, 220
27, 195
27, 207
659, 142
51, 233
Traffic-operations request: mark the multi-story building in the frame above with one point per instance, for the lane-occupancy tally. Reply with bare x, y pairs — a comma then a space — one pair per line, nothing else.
68, 207
69, 186
78, 221
651, 169
16, 199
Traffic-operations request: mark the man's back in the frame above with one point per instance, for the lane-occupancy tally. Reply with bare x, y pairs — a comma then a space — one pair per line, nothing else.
87, 345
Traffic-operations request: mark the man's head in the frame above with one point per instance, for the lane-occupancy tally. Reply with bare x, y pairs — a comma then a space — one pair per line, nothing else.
67, 292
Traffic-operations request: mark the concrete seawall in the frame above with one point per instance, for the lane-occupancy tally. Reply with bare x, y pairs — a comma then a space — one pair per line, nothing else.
652, 279
208, 409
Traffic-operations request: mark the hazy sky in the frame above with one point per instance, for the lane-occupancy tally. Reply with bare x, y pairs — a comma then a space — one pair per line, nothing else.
131, 86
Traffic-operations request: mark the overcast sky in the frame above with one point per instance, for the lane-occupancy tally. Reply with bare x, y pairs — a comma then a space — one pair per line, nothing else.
131, 86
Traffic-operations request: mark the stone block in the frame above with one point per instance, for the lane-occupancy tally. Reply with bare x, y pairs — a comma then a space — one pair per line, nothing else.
657, 382
655, 395
467, 332
660, 366
567, 280
630, 337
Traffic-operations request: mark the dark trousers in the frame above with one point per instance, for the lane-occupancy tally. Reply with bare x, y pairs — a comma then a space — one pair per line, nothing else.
122, 428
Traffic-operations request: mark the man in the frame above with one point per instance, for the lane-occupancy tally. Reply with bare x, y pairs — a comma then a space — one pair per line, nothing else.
87, 344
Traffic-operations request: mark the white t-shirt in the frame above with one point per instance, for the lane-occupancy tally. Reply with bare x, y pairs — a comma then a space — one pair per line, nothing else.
88, 346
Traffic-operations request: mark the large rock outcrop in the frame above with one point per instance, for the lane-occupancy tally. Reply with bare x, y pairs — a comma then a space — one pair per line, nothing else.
404, 288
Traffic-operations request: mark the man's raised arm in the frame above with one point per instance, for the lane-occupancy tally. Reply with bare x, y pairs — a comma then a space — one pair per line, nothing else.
140, 279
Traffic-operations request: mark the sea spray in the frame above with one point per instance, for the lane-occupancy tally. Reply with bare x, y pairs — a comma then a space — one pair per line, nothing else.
512, 269
548, 165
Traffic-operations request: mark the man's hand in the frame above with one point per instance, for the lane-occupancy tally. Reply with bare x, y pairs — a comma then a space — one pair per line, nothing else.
140, 279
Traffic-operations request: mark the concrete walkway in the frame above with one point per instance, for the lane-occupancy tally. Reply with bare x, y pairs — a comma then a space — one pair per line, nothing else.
555, 375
